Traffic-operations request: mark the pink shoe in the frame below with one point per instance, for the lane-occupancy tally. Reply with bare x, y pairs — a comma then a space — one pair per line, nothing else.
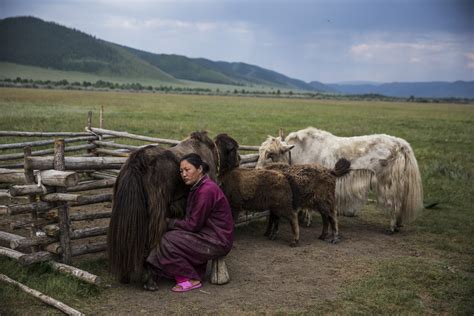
185, 286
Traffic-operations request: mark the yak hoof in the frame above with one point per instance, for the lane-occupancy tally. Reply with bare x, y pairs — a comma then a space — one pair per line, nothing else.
150, 285
294, 243
335, 240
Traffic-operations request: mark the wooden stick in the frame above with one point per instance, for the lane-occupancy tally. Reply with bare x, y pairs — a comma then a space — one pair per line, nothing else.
64, 268
249, 148
44, 240
117, 145
101, 117
44, 298
109, 152
46, 206
46, 152
47, 134
45, 142
78, 163
248, 158
133, 136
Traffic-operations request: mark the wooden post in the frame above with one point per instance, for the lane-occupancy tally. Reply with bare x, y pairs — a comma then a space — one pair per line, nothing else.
281, 133
101, 117
30, 179
89, 126
63, 214
219, 272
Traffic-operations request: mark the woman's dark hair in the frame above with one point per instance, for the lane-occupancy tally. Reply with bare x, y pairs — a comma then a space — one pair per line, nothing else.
196, 161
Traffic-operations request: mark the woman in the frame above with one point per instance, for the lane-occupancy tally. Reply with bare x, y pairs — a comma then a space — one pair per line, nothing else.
205, 233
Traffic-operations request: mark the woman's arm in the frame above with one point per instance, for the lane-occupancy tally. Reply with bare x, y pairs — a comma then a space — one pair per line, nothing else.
201, 208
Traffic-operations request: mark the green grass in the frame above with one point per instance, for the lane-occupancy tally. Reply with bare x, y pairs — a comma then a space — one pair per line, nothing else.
440, 134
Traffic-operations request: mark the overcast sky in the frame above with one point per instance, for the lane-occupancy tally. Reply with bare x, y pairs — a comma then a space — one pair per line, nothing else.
328, 40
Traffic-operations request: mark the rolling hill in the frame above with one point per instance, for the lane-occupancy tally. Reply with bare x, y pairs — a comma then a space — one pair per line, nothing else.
32, 41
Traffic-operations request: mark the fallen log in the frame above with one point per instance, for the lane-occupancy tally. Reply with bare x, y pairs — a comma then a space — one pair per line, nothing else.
4, 194
90, 216
32, 241
28, 189
12, 176
62, 197
99, 184
77, 163
77, 273
19, 224
59, 178
13, 254
44, 298
9, 237
78, 250
89, 232
35, 257
26, 208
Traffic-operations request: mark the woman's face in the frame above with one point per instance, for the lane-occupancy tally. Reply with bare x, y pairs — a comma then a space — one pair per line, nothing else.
189, 173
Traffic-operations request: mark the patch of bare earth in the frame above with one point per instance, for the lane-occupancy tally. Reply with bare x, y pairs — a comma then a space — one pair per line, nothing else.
269, 276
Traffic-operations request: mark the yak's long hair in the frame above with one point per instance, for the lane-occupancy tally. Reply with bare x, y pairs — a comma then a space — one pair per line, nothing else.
383, 162
147, 189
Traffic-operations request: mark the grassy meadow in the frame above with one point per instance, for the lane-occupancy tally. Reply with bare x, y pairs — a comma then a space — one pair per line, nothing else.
440, 282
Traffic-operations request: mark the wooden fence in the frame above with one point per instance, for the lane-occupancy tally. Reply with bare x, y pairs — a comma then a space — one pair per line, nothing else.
42, 197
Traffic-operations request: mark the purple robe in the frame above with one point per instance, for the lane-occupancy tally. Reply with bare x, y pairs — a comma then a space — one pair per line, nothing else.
205, 233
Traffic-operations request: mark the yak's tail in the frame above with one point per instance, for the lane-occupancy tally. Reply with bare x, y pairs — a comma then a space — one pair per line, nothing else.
399, 186
412, 190
127, 237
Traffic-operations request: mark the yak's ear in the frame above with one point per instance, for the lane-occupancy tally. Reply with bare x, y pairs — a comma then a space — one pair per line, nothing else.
287, 148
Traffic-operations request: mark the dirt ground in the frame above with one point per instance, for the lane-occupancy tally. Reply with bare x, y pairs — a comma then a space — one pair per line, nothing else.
269, 276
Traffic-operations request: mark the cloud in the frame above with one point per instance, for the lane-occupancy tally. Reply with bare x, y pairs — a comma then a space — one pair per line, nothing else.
470, 60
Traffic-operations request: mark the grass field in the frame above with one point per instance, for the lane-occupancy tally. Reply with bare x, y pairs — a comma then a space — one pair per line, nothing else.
441, 135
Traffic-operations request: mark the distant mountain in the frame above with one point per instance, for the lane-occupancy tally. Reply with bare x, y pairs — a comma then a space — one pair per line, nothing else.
319, 86
437, 89
31, 41
201, 69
